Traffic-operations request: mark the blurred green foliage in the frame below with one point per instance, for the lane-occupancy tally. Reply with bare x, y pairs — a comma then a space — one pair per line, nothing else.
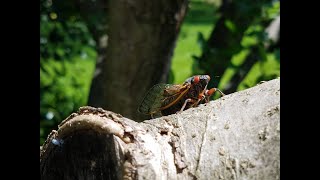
67, 60
192, 43
68, 54
267, 66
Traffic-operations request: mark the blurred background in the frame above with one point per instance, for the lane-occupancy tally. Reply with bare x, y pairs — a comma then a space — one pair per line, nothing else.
236, 42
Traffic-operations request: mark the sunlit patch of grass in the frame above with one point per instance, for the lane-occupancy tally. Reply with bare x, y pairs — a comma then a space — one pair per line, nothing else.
262, 70
185, 49
200, 19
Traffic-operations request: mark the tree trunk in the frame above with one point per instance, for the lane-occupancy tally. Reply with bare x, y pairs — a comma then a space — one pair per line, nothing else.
234, 137
141, 39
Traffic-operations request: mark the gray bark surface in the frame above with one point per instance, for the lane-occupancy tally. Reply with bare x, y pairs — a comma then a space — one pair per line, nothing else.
234, 137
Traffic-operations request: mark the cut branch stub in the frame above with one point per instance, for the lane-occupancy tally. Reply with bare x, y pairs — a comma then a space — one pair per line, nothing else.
234, 137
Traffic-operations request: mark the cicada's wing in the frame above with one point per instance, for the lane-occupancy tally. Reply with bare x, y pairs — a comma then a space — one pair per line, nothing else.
161, 96
173, 94
152, 100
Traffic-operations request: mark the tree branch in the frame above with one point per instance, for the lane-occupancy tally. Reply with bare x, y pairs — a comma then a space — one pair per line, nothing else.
234, 137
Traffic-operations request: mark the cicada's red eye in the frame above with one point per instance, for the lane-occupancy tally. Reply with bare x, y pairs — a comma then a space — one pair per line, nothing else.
196, 79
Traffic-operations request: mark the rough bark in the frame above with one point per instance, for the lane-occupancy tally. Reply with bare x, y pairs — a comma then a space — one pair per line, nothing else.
234, 137
141, 38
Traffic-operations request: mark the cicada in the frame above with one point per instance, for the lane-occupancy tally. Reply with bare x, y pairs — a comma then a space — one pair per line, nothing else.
166, 99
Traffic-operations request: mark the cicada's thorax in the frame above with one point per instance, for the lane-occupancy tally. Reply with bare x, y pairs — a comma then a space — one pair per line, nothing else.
192, 93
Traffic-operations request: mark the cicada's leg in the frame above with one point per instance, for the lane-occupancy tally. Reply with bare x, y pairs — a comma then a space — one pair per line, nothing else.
185, 103
207, 98
211, 91
221, 93
200, 98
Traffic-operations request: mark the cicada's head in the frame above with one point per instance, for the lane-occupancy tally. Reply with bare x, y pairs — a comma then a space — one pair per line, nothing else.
201, 80
198, 84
